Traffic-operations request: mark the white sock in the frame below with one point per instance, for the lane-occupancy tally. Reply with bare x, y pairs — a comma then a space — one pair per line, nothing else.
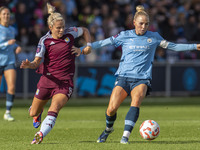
47, 124
109, 129
126, 134
7, 111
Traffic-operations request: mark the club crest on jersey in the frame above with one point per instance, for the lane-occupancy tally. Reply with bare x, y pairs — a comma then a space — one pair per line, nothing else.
38, 49
149, 40
67, 39
75, 29
37, 92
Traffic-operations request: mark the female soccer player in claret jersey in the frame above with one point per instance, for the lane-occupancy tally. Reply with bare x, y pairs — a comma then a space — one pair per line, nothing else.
57, 70
8, 49
134, 73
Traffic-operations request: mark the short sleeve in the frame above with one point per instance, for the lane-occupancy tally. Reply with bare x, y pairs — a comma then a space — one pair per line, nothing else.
40, 51
74, 31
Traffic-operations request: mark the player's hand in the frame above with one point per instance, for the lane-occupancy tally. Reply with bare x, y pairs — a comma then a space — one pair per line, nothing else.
198, 47
87, 50
11, 42
25, 64
76, 50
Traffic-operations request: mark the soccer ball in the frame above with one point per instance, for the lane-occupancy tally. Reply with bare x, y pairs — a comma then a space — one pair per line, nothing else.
149, 130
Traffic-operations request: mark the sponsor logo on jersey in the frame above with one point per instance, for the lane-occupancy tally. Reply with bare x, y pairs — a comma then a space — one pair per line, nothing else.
149, 40
139, 48
116, 35
38, 49
67, 39
37, 92
75, 29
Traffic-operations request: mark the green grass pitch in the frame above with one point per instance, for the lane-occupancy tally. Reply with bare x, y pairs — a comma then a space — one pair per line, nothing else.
81, 121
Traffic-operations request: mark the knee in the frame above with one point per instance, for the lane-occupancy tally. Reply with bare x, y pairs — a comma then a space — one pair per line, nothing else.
11, 89
111, 111
32, 113
137, 100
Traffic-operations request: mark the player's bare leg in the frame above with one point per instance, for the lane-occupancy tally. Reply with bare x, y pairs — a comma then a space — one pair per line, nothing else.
117, 97
58, 101
36, 110
10, 77
137, 95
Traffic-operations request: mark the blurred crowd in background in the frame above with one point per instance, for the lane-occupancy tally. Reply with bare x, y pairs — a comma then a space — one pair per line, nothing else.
175, 20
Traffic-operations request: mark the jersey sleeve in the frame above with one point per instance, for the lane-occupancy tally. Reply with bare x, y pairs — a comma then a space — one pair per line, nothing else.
181, 47
102, 43
40, 49
74, 31
99, 44
4, 45
117, 40
175, 47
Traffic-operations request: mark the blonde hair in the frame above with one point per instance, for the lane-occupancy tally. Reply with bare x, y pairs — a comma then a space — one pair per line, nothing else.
54, 16
140, 11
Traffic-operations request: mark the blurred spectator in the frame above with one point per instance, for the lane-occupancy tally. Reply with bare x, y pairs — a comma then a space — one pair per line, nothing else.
190, 27
85, 17
22, 17
160, 55
35, 35
187, 54
38, 17
174, 20
196, 36
23, 40
70, 6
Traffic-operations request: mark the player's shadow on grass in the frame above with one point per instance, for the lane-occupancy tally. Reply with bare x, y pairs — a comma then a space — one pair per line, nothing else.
152, 142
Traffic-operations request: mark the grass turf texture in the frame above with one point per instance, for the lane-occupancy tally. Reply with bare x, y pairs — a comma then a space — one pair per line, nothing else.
81, 121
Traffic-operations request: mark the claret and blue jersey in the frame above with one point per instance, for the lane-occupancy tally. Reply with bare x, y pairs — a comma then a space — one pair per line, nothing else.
138, 52
59, 61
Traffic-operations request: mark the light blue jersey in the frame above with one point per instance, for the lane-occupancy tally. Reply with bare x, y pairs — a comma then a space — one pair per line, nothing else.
138, 52
7, 52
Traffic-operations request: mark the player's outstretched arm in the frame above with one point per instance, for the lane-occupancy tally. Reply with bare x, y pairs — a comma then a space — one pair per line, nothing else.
177, 46
5, 44
87, 37
86, 50
32, 65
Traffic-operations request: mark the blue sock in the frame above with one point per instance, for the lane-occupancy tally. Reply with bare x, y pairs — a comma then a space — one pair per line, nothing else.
130, 120
9, 101
48, 123
110, 121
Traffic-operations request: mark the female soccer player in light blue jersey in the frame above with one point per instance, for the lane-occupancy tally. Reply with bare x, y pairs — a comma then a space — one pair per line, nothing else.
8, 49
135, 69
